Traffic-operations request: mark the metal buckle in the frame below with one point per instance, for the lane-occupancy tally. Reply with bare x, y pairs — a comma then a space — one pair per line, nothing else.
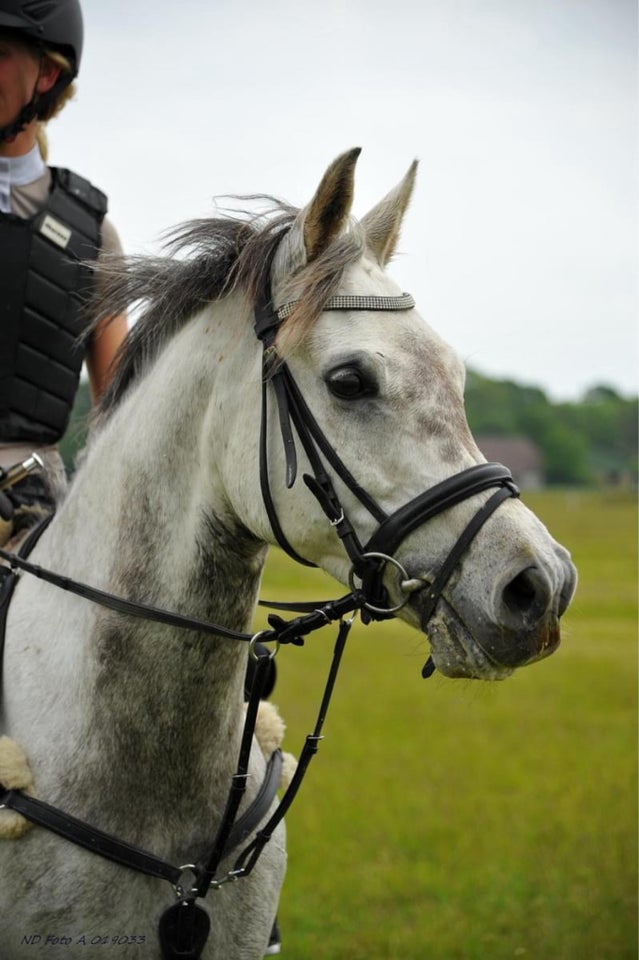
340, 519
227, 878
180, 892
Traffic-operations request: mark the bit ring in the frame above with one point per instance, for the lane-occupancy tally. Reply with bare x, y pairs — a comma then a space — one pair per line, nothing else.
403, 576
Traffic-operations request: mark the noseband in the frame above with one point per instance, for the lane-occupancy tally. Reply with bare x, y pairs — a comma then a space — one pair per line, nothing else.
369, 560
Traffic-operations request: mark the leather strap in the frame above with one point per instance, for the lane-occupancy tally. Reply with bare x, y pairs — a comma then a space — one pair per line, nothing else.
91, 838
250, 855
434, 591
9, 579
132, 608
265, 486
207, 868
427, 505
435, 500
127, 854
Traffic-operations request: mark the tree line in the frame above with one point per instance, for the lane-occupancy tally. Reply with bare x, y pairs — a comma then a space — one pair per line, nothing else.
591, 441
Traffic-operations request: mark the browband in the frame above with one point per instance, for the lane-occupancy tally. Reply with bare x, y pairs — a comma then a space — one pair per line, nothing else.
347, 301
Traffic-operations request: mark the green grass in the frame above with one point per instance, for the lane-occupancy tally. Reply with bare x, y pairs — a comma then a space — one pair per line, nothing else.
457, 820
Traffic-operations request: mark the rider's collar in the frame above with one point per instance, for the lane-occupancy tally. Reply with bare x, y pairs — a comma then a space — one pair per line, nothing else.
17, 172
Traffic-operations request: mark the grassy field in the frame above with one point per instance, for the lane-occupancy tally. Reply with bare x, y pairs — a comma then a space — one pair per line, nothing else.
457, 820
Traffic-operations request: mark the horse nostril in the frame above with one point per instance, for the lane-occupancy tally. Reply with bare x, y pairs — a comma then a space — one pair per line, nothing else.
527, 594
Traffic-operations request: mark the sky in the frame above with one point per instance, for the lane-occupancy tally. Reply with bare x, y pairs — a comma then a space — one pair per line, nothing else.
520, 245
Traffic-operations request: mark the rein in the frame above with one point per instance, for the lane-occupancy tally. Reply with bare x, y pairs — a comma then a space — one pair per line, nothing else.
184, 927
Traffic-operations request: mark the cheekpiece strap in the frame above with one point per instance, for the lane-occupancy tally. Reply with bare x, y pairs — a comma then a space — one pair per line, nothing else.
346, 301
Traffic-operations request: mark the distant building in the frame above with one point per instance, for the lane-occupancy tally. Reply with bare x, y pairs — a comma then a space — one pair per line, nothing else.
521, 456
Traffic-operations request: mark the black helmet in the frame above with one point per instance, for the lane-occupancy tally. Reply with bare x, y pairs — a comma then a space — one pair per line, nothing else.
56, 24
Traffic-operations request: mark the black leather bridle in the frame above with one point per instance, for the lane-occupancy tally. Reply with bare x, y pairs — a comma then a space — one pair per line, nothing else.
369, 560
184, 927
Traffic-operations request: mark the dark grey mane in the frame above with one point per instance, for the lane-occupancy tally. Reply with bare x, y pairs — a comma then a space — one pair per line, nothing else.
216, 257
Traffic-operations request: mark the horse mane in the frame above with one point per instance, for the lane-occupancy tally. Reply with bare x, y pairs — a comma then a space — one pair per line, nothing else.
205, 260
202, 261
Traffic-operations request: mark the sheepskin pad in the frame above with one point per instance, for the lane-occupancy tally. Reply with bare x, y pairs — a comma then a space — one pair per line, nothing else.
269, 733
14, 775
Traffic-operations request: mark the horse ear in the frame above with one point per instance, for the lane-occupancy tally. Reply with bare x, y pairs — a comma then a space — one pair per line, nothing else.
327, 212
382, 224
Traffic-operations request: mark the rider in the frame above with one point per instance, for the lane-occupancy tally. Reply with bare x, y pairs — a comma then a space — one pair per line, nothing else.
51, 226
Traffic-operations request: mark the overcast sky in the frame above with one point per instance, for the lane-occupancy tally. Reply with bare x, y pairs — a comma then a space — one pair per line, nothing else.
520, 245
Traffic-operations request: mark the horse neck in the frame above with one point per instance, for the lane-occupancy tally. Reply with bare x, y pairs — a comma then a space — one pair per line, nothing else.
147, 517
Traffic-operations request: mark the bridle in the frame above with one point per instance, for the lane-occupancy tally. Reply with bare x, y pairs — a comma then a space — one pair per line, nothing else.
184, 927
369, 560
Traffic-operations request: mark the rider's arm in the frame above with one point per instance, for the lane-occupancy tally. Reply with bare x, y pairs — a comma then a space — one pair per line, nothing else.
109, 332
103, 347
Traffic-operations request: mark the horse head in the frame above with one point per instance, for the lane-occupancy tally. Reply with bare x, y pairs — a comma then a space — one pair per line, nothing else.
387, 394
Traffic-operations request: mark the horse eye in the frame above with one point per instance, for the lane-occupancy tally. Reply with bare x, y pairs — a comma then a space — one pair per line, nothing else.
349, 383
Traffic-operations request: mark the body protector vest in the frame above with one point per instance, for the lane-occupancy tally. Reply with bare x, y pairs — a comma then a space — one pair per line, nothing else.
45, 283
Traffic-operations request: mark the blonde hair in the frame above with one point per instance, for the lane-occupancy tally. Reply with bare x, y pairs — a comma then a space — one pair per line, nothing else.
43, 140
65, 67
61, 100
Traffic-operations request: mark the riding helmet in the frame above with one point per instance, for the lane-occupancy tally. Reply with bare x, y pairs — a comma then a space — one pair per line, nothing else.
52, 24
56, 24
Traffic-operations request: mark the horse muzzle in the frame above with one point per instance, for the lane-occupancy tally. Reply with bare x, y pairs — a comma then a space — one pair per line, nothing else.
519, 625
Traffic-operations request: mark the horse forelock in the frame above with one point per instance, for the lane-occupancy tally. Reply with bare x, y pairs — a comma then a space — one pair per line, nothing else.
205, 260
312, 284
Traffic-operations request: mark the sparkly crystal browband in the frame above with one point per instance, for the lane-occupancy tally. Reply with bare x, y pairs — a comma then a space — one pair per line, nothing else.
353, 302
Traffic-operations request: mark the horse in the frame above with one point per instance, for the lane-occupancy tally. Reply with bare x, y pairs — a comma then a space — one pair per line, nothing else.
134, 726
